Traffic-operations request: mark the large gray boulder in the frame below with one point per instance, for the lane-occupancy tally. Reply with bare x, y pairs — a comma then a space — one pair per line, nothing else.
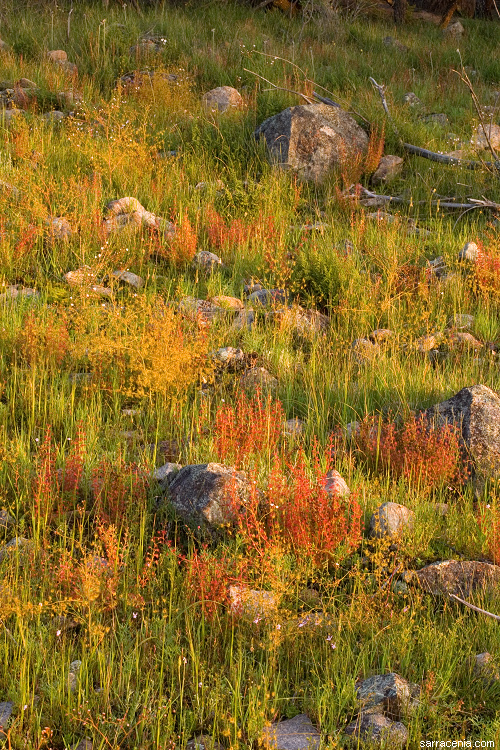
313, 139
476, 413
208, 494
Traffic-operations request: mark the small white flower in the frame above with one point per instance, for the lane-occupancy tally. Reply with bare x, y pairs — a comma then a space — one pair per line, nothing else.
58, 633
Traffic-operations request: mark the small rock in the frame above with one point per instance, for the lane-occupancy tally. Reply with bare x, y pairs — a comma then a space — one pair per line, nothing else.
25, 83
203, 742
258, 378
388, 169
80, 277
129, 278
131, 412
303, 323
201, 310
470, 252
244, 320
73, 671
389, 41
485, 668
6, 187
491, 132
229, 357
437, 267
6, 708
294, 427
164, 474
69, 98
376, 730
464, 340
310, 597
126, 205
57, 55
8, 116
222, 98
59, 228
436, 118
390, 520
298, 733
252, 604
15, 292
251, 287
411, 99
228, 303
267, 297
101, 291
128, 212
4, 47
146, 47
381, 335
6, 520
462, 320
335, 486
17, 545
80, 378
387, 694
364, 351
84, 745
54, 116
427, 343
207, 260
352, 429
68, 67
454, 30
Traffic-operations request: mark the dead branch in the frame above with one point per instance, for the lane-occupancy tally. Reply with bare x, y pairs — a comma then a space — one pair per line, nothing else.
442, 203
325, 100
381, 90
472, 606
321, 98
452, 160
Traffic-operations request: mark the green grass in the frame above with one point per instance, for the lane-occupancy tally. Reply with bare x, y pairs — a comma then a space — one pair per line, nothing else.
159, 665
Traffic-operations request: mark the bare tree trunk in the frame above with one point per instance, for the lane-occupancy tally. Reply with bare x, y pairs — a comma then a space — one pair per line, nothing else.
399, 8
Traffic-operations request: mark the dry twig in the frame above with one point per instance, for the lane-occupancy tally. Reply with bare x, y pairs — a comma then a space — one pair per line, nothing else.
472, 606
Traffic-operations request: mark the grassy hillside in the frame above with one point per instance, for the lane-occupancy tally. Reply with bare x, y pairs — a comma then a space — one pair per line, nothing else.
102, 381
